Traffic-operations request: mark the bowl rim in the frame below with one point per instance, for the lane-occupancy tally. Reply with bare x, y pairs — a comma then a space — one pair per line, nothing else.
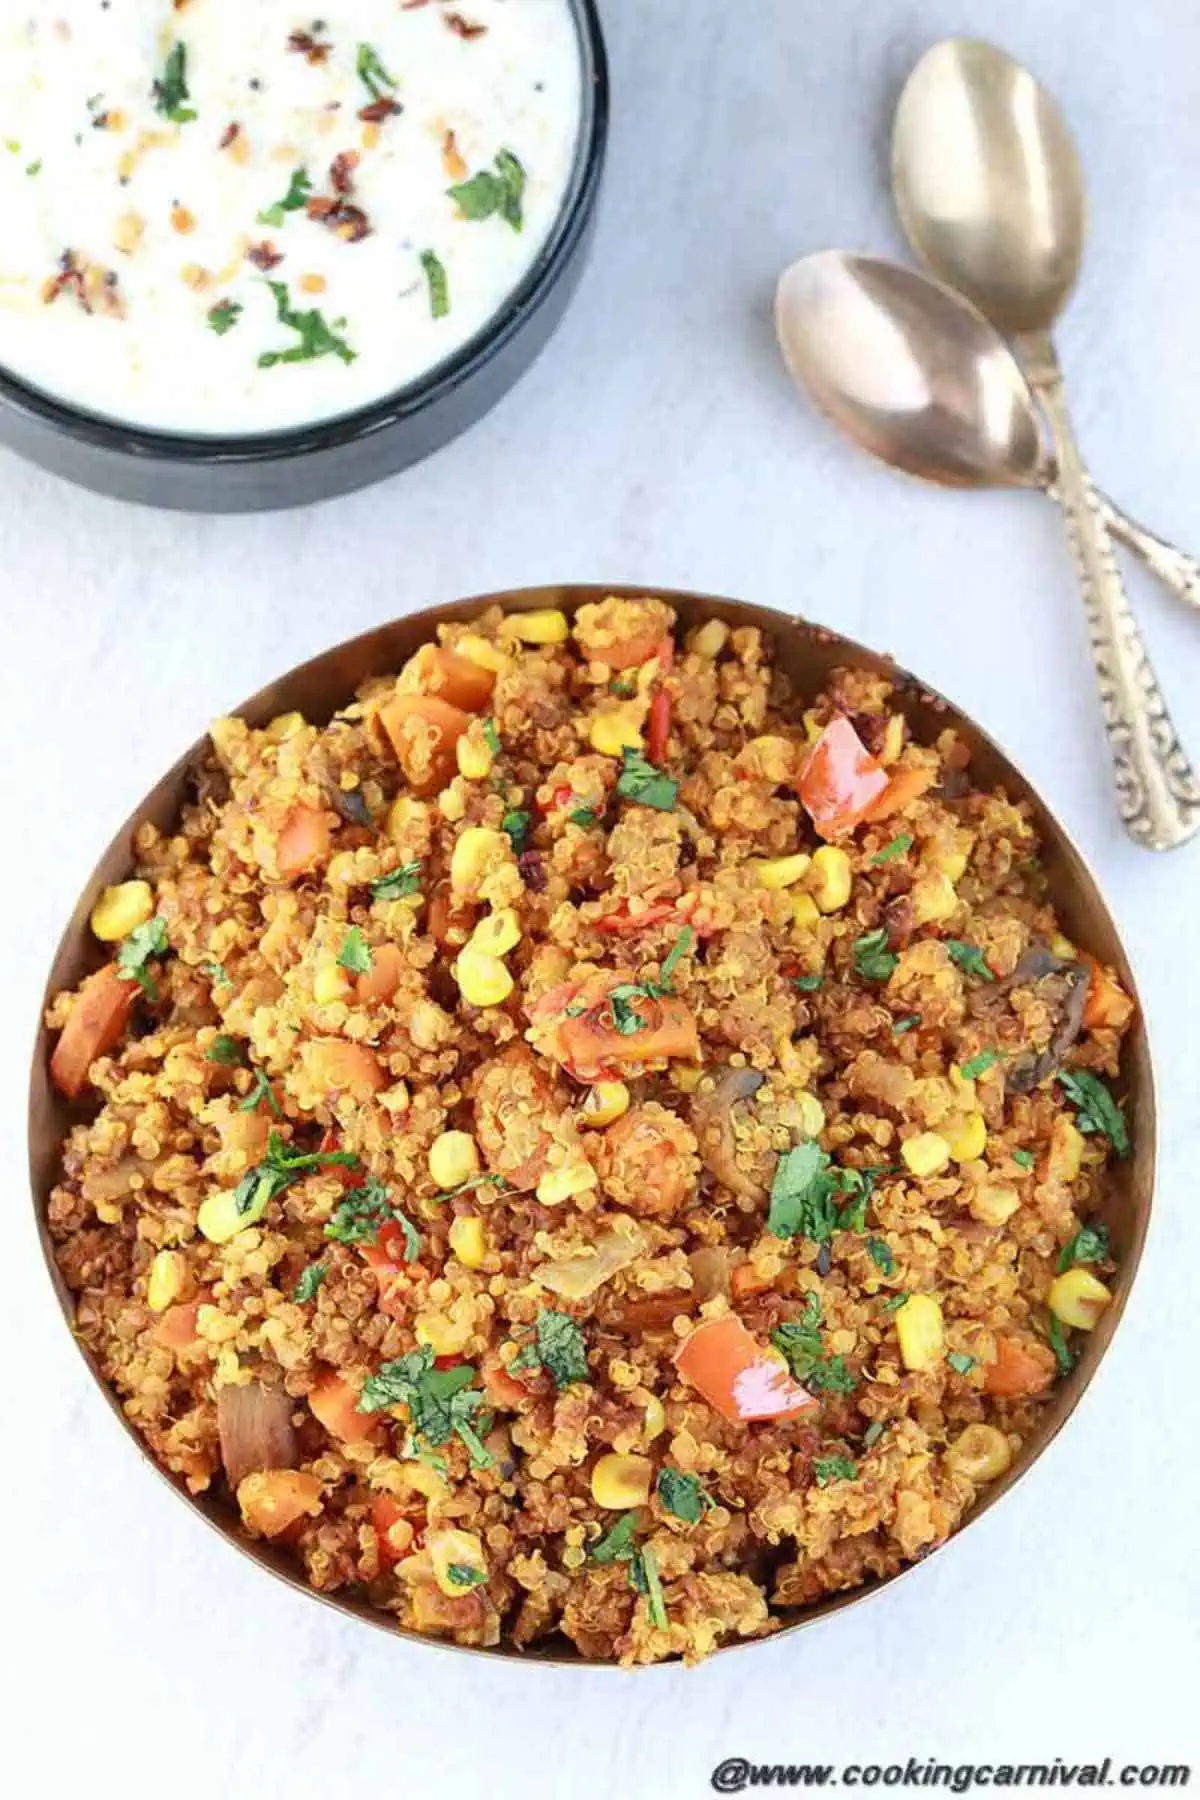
401, 405
377, 651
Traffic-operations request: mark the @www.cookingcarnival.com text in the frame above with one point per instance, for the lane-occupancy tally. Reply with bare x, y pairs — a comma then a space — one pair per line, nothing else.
737, 1774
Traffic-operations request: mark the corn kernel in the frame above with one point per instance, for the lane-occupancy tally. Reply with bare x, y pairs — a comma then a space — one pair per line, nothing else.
919, 1329
711, 638
830, 878
805, 915
981, 1453
1063, 948
968, 1138
476, 852
445, 1333
419, 1478
993, 1202
468, 1240
330, 983
893, 738
686, 1077
473, 755
450, 1551
121, 909
933, 899
812, 1115
166, 1281
481, 652
498, 933
404, 814
926, 1154
453, 1158
1078, 1298
953, 864
483, 980
963, 1085
546, 627
1066, 1150
605, 1101
285, 725
654, 1423
219, 1218
782, 871
619, 1482
572, 1178
616, 729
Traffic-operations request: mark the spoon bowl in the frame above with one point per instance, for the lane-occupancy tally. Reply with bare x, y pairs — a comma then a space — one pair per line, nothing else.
988, 183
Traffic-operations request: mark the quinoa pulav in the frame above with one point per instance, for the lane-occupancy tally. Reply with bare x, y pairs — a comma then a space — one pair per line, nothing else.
589, 1140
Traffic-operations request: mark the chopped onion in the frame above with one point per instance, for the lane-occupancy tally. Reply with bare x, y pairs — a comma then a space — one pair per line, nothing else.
255, 1426
575, 1277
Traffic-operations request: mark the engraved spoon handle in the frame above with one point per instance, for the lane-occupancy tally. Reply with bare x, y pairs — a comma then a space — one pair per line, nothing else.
1174, 567
1158, 796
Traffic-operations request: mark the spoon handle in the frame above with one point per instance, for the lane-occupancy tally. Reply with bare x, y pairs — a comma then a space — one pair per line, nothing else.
1175, 568
1158, 795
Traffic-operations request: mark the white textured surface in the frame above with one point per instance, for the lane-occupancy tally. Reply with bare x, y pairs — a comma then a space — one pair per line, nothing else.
656, 440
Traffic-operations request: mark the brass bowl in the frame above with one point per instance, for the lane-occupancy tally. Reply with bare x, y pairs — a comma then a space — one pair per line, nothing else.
808, 652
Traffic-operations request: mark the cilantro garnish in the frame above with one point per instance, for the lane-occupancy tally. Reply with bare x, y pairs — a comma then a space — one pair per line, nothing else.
897, 1301
399, 884
360, 1215
441, 1403
316, 338
260, 1090
834, 1468
969, 958
465, 1575
170, 90
896, 848
679, 949
583, 815
1089, 1245
224, 316
881, 1255
472, 1181
1025, 1158
216, 974
643, 1576
225, 1050
872, 958
808, 984
683, 1495
268, 1178
143, 942
625, 1016
515, 826
1064, 1355
960, 1362
309, 1282
908, 1023
438, 283
491, 736
802, 1194
372, 73
485, 194
1096, 1110
978, 1065
800, 1342
558, 1344
639, 780
295, 200
355, 953
616, 1545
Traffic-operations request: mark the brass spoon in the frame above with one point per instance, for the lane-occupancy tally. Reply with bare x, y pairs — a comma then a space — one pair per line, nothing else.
990, 195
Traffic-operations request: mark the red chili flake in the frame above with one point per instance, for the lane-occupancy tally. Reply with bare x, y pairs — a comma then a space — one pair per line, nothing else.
309, 47
264, 256
378, 111
341, 172
68, 280
229, 135
349, 222
463, 28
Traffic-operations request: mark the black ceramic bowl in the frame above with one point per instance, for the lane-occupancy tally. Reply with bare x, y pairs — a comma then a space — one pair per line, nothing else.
292, 468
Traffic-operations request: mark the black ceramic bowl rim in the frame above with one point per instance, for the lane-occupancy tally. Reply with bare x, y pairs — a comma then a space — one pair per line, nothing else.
403, 404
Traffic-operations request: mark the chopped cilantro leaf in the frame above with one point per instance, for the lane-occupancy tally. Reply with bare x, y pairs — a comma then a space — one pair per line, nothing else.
801, 1345
310, 1281
216, 974
1096, 1110
808, 984
960, 1362
1025, 1158
472, 1181
908, 1023
224, 316
357, 1218
465, 1575
969, 959
260, 1090
896, 1301
834, 1468
355, 953
268, 1178
616, 1545
881, 1255
225, 1050
643, 1575
1064, 1355
170, 90
295, 200
639, 780
896, 848
441, 1403
979, 1065
143, 942
515, 826
438, 283
399, 884
683, 1495
872, 958
873, 1433
583, 815
561, 1348
486, 193
625, 1017
679, 948
491, 736
372, 73
315, 337
1089, 1245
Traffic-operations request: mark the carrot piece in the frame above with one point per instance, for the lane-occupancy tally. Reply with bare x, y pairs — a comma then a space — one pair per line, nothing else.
423, 731
304, 840
501, 1388
448, 921
737, 1376
840, 780
176, 1328
623, 923
334, 1404
1107, 1006
271, 1500
905, 786
383, 977
95, 1025
632, 651
1017, 1370
746, 1281
340, 1066
589, 1043
394, 1531
448, 676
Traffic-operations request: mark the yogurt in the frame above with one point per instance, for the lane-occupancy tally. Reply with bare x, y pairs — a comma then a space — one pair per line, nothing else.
225, 217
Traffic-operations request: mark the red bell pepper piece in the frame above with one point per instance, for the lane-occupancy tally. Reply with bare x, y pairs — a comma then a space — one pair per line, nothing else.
737, 1376
659, 727
841, 779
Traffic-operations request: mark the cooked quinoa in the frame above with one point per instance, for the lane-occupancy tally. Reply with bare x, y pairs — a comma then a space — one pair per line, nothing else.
590, 1141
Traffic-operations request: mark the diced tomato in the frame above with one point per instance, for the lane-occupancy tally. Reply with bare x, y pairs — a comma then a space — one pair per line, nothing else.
840, 780
737, 1376
746, 1281
623, 923
658, 728
448, 921
1107, 1006
562, 796
95, 1025
391, 1241
423, 732
333, 1402
392, 1528
905, 786
304, 840
501, 1388
589, 1044
339, 1066
383, 977
176, 1328
1018, 1371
